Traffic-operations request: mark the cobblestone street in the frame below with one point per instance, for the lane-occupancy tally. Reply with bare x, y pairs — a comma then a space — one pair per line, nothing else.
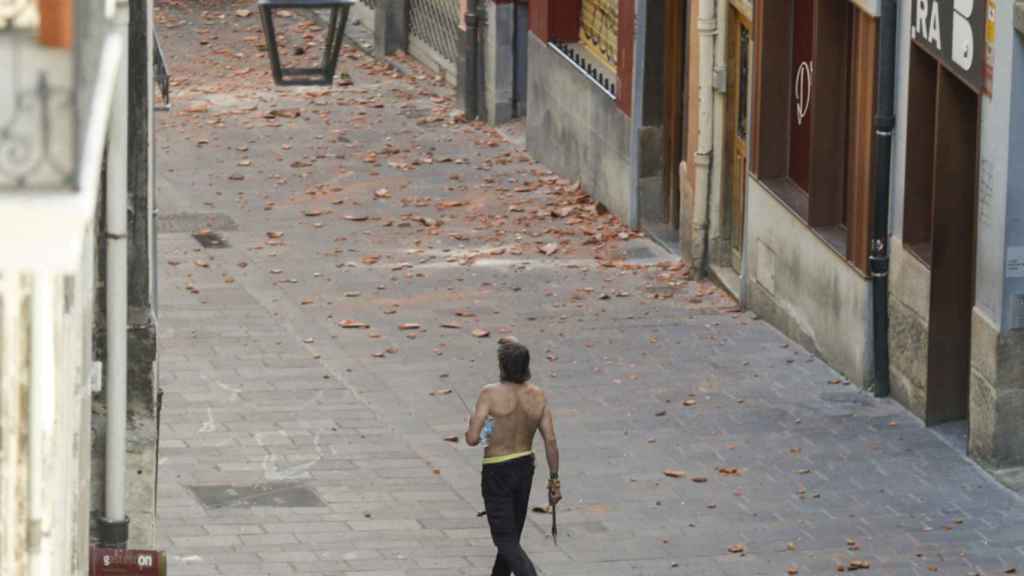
334, 260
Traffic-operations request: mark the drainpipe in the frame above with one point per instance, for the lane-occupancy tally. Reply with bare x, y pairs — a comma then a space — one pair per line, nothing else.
707, 28
114, 525
472, 41
635, 157
879, 258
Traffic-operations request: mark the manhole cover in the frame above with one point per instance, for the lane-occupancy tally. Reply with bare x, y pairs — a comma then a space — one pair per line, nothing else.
210, 239
274, 494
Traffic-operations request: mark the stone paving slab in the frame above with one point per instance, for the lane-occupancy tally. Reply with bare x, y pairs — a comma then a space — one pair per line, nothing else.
263, 387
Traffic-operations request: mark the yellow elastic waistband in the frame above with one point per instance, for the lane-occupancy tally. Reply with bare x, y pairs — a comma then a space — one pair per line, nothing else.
507, 457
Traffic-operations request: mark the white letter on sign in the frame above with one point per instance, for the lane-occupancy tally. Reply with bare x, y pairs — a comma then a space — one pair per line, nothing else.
934, 32
963, 36
965, 7
921, 24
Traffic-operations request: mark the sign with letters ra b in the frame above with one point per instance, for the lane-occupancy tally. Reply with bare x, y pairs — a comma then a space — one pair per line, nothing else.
116, 562
953, 31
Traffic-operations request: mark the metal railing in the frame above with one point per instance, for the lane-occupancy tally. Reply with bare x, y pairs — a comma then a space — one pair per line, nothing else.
436, 24
591, 67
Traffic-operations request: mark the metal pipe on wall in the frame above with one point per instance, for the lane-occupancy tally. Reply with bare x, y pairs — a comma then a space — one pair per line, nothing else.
707, 28
114, 528
639, 58
471, 90
885, 121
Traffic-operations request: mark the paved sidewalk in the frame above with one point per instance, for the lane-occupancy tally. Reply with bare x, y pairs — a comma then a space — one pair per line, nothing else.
293, 445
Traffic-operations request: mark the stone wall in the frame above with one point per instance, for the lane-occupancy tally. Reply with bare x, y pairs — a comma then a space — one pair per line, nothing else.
576, 129
806, 289
909, 299
997, 394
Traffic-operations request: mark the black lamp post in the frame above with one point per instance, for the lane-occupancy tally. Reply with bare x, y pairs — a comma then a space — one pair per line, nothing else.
324, 74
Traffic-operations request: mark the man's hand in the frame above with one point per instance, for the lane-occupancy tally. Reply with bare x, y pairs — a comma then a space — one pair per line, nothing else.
554, 492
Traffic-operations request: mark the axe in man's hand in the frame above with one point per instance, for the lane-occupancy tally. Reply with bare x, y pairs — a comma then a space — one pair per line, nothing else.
554, 523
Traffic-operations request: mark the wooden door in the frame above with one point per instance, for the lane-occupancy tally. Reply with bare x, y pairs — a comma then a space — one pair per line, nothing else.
674, 98
738, 110
953, 250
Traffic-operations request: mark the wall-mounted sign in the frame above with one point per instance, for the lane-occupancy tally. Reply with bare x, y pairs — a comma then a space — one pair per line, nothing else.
1015, 261
953, 31
116, 562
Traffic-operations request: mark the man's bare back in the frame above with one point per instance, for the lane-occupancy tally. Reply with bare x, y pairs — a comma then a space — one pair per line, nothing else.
517, 410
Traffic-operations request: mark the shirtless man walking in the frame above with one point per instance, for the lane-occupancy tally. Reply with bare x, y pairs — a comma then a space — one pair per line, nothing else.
518, 410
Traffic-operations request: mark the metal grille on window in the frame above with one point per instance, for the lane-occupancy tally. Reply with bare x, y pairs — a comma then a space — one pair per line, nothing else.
599, 29
436, 23
38, 107
742, 123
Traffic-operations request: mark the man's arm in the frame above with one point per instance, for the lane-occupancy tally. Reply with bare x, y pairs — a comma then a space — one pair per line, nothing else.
547, 431
476, 421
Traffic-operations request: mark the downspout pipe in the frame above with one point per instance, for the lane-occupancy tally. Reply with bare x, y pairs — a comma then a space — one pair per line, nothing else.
472, 53
114, 524
635, 155
707, 28
885, 121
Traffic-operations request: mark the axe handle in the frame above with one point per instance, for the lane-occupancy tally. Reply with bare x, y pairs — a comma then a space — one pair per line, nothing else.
554, 524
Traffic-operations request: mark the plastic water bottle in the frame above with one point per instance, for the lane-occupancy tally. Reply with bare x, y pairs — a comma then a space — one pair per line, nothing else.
485, 434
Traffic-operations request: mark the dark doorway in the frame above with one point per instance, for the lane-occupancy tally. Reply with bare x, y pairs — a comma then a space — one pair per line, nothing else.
660, 211
939, 223
521, 20
953, 247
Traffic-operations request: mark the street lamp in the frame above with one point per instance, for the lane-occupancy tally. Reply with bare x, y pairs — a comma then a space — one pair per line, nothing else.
324, 74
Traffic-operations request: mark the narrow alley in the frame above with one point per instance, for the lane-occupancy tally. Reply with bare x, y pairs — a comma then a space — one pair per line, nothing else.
336, 265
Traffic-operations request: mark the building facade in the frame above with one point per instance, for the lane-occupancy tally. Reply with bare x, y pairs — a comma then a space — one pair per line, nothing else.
66, 178
744, 136
808, 189
958, 181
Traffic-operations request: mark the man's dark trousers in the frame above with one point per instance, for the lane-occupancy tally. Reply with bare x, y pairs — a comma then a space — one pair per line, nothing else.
506, 490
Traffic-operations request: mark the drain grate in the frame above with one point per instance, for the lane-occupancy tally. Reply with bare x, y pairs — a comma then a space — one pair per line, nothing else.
191, 221
274, 494
210, 239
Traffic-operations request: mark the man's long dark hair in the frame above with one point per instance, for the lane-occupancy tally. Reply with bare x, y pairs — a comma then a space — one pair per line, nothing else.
514, 362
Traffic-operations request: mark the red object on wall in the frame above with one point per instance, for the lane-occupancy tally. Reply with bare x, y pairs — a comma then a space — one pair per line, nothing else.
624, 96
57, 23
555, 20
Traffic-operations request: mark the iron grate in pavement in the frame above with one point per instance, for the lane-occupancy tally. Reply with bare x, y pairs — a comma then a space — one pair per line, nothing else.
193, 221
271, 495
